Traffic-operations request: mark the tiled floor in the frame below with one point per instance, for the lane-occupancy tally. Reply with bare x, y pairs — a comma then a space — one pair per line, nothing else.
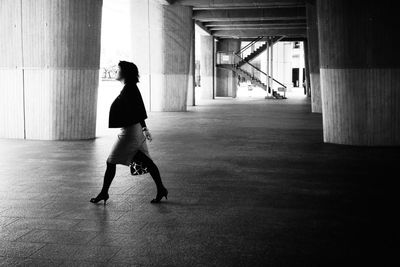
250, 184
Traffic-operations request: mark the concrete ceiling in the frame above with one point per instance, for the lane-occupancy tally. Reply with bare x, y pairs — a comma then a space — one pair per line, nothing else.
247, 19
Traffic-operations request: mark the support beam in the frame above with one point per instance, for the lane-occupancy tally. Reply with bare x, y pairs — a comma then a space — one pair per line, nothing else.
210, 4
301, 22
272, 66
250, 14
203, 27
207, 66
360, 72
307, 68
313, 62
191, 91
293, 39
255, 33
247, 28
165, 2
269, 65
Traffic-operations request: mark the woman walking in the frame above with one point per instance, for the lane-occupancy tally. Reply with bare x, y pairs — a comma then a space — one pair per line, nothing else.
128, 113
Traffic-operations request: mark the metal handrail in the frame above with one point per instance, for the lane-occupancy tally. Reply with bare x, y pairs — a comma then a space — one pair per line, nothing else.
248, 45
261, 71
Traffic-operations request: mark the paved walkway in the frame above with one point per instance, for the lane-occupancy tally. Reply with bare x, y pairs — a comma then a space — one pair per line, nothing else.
250, 184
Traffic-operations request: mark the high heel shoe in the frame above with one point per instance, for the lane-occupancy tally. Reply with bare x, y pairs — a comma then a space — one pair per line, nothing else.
160, 195
100, 197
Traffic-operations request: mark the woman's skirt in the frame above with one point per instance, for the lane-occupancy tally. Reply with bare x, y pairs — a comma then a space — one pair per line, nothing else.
130, 141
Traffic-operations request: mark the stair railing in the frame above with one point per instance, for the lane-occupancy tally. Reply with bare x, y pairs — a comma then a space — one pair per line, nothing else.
260, 71
240, 52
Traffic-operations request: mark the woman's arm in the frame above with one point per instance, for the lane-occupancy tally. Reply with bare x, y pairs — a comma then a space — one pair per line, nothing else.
146, 131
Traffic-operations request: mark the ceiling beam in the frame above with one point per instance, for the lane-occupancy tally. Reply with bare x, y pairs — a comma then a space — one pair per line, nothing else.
293, 39
263, 32
165, 2
262, 27
251, 39
232, 4
255, 23
250, 14
204, 28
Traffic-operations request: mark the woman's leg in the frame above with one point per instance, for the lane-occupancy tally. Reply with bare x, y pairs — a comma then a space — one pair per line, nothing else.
108, 177
154, 172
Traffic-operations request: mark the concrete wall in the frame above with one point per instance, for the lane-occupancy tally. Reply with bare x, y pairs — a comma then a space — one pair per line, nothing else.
49, 68
360, 74
161, 37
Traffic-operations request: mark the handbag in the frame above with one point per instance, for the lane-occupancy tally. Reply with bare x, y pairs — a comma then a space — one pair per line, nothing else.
137, 168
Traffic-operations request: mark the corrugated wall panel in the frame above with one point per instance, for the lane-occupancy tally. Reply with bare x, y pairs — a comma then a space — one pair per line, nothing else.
62, 57
49, 61
10, 30
63, 34
11, 87
361, 106
360, 72
162, 50
11, 104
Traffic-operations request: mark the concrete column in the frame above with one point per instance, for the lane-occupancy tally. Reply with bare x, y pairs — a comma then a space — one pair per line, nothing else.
263, 65
161, 38
191, 91
360, 74
252, 70
306, 67
313, 56
207, 67
287, 63
49, 68
272, 68
268, 66
227, 79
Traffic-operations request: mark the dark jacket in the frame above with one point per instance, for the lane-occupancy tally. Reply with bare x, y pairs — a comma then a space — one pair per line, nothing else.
128, 108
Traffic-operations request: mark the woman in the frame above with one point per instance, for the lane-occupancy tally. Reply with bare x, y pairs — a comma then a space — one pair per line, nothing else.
128, 113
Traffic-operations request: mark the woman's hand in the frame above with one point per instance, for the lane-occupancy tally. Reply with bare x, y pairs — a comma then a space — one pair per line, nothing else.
147, 134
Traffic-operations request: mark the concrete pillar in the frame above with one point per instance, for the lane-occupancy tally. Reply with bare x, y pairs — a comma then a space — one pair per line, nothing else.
49, 68
161, 38
227, 79
268, 66
313, 56
360, 74
191, 91
287, 64
207, 67
306, 68
272, 83
252, 70
263, 66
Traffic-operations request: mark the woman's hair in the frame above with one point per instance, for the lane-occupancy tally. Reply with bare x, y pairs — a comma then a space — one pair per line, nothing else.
129, 72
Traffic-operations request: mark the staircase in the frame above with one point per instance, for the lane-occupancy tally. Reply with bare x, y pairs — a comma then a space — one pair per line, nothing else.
246, 74
254, 81
236, 62
253, 55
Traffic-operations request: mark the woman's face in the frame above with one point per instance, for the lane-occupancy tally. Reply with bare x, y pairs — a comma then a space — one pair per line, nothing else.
119, 76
